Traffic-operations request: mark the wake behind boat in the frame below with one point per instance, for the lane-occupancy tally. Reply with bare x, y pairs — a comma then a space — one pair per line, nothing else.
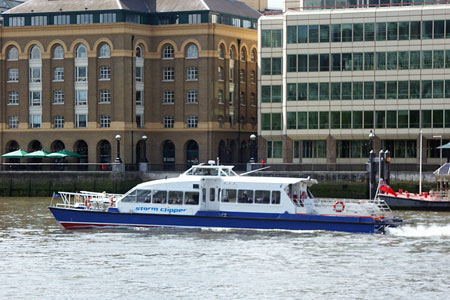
216, 197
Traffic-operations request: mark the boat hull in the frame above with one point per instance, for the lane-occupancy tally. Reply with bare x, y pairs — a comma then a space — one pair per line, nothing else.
414, 204
71, 218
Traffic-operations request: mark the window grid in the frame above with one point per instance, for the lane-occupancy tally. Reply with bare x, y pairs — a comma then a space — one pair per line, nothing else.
192, 73
169, 97
105, 73
168, 121
13, 97
169, 74
58, 122
105, 96
105, 121
58, 74
13, 122
192, 121
58, 97
192, 96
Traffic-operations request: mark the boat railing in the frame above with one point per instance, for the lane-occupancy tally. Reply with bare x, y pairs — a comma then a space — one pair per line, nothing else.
86, 200
375, 208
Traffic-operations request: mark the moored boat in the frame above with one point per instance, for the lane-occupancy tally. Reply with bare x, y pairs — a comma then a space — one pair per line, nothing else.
434, 200
216, 197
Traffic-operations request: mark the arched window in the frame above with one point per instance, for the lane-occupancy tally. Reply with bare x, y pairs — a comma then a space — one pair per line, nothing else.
81, 51
192, 51
139, 52
58, 52
222, 51
168, 52
253, 58
105, 51
13, 54
243, 54
232, 53
35, 52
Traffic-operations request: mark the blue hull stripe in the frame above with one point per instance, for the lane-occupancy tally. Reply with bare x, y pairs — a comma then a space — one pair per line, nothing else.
73, 218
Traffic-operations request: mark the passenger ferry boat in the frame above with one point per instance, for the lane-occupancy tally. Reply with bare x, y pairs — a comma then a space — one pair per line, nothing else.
214, 196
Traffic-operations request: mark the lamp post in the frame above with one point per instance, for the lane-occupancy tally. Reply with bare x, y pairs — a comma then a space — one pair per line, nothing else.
440, 148
371, 137
252, 148
144, 138
118, 160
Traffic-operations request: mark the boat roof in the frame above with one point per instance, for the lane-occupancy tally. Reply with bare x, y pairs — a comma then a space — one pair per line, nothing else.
443, 171
198, 172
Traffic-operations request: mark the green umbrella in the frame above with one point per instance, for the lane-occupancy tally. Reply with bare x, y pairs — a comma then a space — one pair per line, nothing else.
37, 154
57, 155
15, 154
67, 153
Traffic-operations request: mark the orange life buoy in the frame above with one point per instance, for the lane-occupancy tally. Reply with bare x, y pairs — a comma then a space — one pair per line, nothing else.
339, 206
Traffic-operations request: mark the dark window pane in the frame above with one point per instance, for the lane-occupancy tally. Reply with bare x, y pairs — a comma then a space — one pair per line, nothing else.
335, 119
325, 62
368, 119
313, 91
292, 34
313, 122
403, 89
427, 30
368, 90
313, 33
346, 61
368, 61
381, 31
380, 90
403, 60
438, 89
391, 119
276, 93
439, 29
357, 61
265, 66
302, 32
438, 118
392, 31
391, 88
369, 32
336, 32
324, 120
414, 60
302, 122
402, 119
302, 63
392, 60
324, 33
292, 63
324, 91
381, 60
357, 90
357, 119
358, 32
438, 59
346, 91
292, 91
427, 90
415, 30
276, 66
336, 62
414, 119
426, 118
346, 32
265, 91
302, 91
414, 89
291, 120
335, 91
380, 119
313, 62
403, 30
346, 119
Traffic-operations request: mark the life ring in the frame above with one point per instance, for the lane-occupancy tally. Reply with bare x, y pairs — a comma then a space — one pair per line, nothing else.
339, 206
112, 201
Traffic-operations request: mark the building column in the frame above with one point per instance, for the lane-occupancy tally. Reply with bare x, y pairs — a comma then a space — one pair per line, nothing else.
262, 149
331, 150
288, 149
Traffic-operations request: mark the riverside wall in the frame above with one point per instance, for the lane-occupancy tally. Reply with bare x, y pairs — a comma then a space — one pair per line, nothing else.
331, 184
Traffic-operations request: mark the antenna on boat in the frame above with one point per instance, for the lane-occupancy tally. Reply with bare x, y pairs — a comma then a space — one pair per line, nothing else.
218, 161
211, 162
253, 171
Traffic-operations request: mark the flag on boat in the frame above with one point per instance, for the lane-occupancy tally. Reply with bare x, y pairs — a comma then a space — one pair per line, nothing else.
387, 189
56, 195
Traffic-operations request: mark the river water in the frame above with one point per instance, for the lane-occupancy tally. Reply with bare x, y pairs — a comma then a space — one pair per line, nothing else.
39, 260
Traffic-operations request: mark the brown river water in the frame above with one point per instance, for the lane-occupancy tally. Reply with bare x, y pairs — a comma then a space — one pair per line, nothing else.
39, 260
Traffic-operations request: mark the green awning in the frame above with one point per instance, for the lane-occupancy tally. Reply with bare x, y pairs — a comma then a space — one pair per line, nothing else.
15, 154
37, 154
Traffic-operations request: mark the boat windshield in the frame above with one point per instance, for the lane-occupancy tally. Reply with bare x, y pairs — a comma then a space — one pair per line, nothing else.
210, 171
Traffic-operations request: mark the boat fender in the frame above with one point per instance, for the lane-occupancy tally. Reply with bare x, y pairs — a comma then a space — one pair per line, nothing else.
112, 201
87, 202
295, 199
339, 206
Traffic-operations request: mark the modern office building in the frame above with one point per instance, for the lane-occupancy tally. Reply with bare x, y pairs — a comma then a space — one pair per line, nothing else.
181, 73
330, 76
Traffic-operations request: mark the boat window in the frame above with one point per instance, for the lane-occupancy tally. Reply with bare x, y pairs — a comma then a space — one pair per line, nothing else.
159, 196
212, 194
276, 197
175, 197
131, 197
191, 198
229, 196
204, 195
262, 197
310, 195
245, 196
144, 196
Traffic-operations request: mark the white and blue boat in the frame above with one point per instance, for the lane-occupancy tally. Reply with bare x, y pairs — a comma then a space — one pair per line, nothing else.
214, 196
